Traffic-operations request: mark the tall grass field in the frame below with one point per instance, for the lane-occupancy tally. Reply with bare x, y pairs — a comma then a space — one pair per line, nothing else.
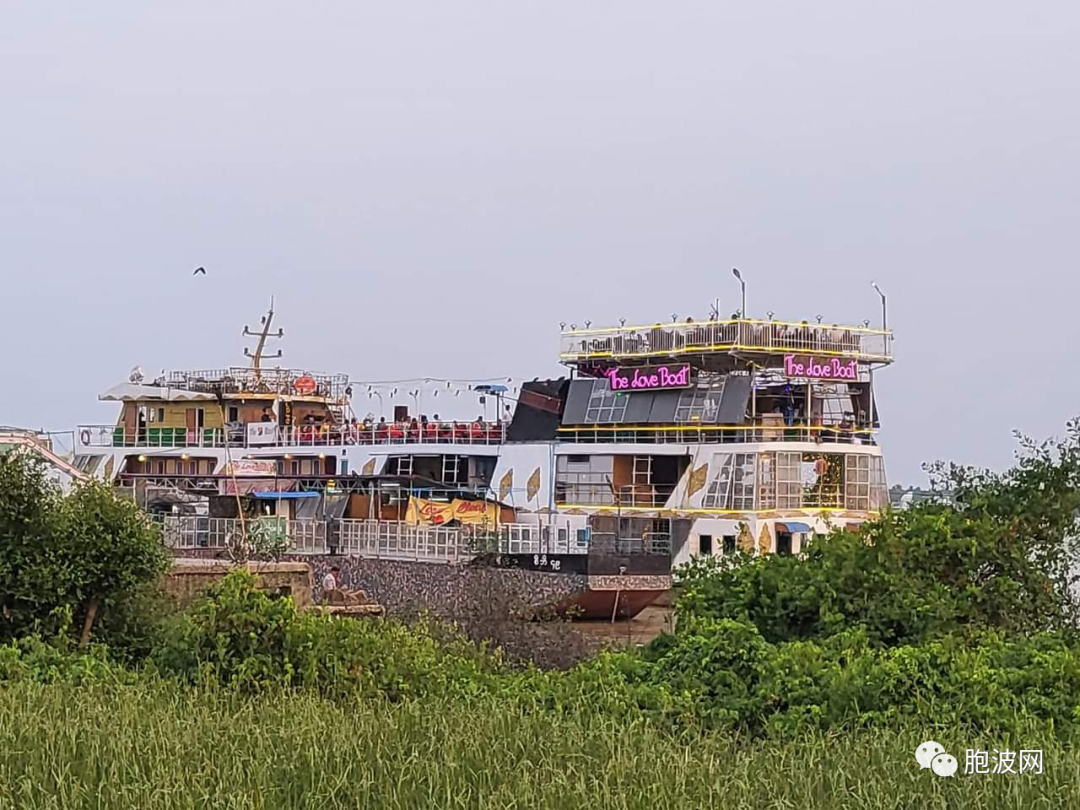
150, 745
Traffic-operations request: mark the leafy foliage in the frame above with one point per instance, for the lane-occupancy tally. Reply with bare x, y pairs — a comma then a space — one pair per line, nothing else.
1001, 555
241, 636
77, 556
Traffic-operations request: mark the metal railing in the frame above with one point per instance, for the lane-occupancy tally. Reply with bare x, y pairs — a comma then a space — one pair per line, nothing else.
633, 495
449, 433
786, 495
771, 337
647, 543
393, 433
716, 434
166, 437
391, 540
202, 532
241, 380
388, 540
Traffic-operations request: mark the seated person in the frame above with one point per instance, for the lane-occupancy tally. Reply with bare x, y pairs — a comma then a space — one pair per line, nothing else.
334, 594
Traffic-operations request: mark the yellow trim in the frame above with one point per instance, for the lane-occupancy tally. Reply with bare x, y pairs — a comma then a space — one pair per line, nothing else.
831, 510
610, 330
717, 428
724, 347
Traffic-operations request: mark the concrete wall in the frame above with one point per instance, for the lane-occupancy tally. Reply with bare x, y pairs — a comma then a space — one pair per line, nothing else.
189, 578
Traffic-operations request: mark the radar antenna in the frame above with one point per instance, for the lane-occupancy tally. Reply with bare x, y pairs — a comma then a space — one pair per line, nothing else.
263, 335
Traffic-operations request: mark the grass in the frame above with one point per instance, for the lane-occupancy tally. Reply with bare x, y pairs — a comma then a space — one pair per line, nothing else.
161, 746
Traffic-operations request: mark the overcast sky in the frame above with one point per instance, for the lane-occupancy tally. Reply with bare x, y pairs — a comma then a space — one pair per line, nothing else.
430, 188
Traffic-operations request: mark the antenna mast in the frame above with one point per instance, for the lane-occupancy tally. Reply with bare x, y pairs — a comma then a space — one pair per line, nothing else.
263, 335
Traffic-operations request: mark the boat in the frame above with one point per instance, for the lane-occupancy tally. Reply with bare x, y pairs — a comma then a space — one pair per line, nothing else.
660, 443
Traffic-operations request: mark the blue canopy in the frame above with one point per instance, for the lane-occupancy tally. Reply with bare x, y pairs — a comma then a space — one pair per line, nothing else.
793, 528
285, 496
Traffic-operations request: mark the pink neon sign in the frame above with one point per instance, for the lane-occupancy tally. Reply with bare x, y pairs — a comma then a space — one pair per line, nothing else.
649, 378
818, 368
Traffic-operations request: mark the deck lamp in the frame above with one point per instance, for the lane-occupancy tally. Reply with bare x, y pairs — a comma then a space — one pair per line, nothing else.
742, 283
884, 319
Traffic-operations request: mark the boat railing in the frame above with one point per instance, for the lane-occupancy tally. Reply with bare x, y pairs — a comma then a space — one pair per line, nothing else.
377, 539
458, 433
773, 337
192, 532
239, 381
717, 434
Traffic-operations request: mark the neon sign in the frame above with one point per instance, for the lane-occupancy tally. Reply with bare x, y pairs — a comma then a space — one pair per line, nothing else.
649, 378
820, 368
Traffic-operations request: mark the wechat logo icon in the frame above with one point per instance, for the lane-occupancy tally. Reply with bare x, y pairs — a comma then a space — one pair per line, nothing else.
932, 755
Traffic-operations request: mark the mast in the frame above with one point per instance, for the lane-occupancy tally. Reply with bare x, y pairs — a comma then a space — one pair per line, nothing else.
263, 335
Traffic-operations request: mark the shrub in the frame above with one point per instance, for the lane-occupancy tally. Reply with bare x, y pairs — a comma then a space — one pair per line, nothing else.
84, 555
240, 636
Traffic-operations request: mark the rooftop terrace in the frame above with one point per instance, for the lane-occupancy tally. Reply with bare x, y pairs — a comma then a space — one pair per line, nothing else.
745, 336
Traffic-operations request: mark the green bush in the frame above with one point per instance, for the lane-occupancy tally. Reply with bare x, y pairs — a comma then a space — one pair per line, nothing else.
69, 560
1001, 555
241, 636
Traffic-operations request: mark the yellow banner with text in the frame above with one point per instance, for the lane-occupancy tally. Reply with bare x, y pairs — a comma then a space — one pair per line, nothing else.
437, 513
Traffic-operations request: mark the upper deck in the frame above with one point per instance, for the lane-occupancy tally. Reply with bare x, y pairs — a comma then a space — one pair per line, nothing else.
745, 337
236, 382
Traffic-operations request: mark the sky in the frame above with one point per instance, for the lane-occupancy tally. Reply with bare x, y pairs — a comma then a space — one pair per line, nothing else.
429, 188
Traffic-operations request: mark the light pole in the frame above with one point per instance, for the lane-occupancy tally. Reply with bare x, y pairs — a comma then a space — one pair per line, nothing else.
735, 272
884, 318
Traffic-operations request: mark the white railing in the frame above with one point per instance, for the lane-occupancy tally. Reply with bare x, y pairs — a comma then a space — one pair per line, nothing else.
428, 433
377, 539
391, 540
198, 531
307, 536
468, 433
774, 337
526, 538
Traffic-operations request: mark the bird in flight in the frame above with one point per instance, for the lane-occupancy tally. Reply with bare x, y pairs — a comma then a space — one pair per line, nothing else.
199, 271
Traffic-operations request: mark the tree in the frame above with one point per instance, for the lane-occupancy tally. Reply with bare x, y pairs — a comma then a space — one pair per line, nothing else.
31, 579
114, 547
999, 554
72, 557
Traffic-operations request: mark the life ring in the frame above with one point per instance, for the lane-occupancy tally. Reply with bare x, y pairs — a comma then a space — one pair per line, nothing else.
84, 436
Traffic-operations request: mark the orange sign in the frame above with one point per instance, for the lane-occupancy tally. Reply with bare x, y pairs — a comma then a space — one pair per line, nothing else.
305, 385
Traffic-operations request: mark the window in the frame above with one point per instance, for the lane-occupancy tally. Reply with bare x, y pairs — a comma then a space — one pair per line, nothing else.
783, 543
148, 413
399, 465
857, 482
234, 413
455, 470
788, 480
734, 485
729, 544
700, 403
643, 470
705, 544
743, 481
584, 479
767, 481
605, 405
879, 493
